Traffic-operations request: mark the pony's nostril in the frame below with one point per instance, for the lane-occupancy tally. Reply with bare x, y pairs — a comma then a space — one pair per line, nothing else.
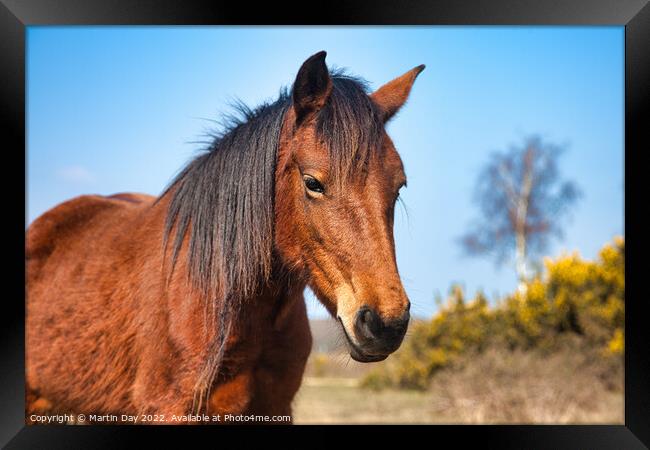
368, 323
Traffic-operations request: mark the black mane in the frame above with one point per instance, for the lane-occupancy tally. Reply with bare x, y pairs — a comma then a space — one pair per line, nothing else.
224, 197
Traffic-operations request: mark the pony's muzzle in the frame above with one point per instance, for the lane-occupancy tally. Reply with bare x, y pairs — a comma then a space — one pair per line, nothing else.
375, 336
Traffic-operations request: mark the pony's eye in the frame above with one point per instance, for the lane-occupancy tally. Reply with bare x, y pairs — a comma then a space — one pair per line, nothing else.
313, 184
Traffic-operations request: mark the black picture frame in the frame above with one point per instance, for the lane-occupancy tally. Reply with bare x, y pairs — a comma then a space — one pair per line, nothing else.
16, 15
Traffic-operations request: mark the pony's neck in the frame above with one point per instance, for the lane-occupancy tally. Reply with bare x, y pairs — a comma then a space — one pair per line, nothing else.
282, 286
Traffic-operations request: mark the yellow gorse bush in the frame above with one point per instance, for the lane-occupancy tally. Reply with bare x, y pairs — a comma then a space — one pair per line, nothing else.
571, 296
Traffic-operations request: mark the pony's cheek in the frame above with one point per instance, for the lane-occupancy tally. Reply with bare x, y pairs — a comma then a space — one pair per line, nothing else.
290, 247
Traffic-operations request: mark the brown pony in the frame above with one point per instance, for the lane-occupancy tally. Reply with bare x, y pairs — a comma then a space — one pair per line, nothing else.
192, 302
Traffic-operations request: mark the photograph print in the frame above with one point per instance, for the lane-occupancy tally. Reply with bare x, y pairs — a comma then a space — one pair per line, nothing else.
325, 225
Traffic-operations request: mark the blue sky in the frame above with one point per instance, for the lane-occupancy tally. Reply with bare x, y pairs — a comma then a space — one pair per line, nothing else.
115, 109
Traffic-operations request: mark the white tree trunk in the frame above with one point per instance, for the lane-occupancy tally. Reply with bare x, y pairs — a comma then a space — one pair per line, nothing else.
520, 262
519, 202
521, 223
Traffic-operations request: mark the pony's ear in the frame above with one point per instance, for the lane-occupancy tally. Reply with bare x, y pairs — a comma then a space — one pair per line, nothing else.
392, 95
312, 86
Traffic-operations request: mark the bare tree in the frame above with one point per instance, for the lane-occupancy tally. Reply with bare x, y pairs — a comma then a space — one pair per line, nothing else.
522, 201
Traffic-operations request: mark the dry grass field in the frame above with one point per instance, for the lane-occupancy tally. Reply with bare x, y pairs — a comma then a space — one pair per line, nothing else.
338, 402
494, 387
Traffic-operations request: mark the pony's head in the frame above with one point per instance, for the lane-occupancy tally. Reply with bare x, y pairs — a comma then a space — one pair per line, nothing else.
307, 185
337, 180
